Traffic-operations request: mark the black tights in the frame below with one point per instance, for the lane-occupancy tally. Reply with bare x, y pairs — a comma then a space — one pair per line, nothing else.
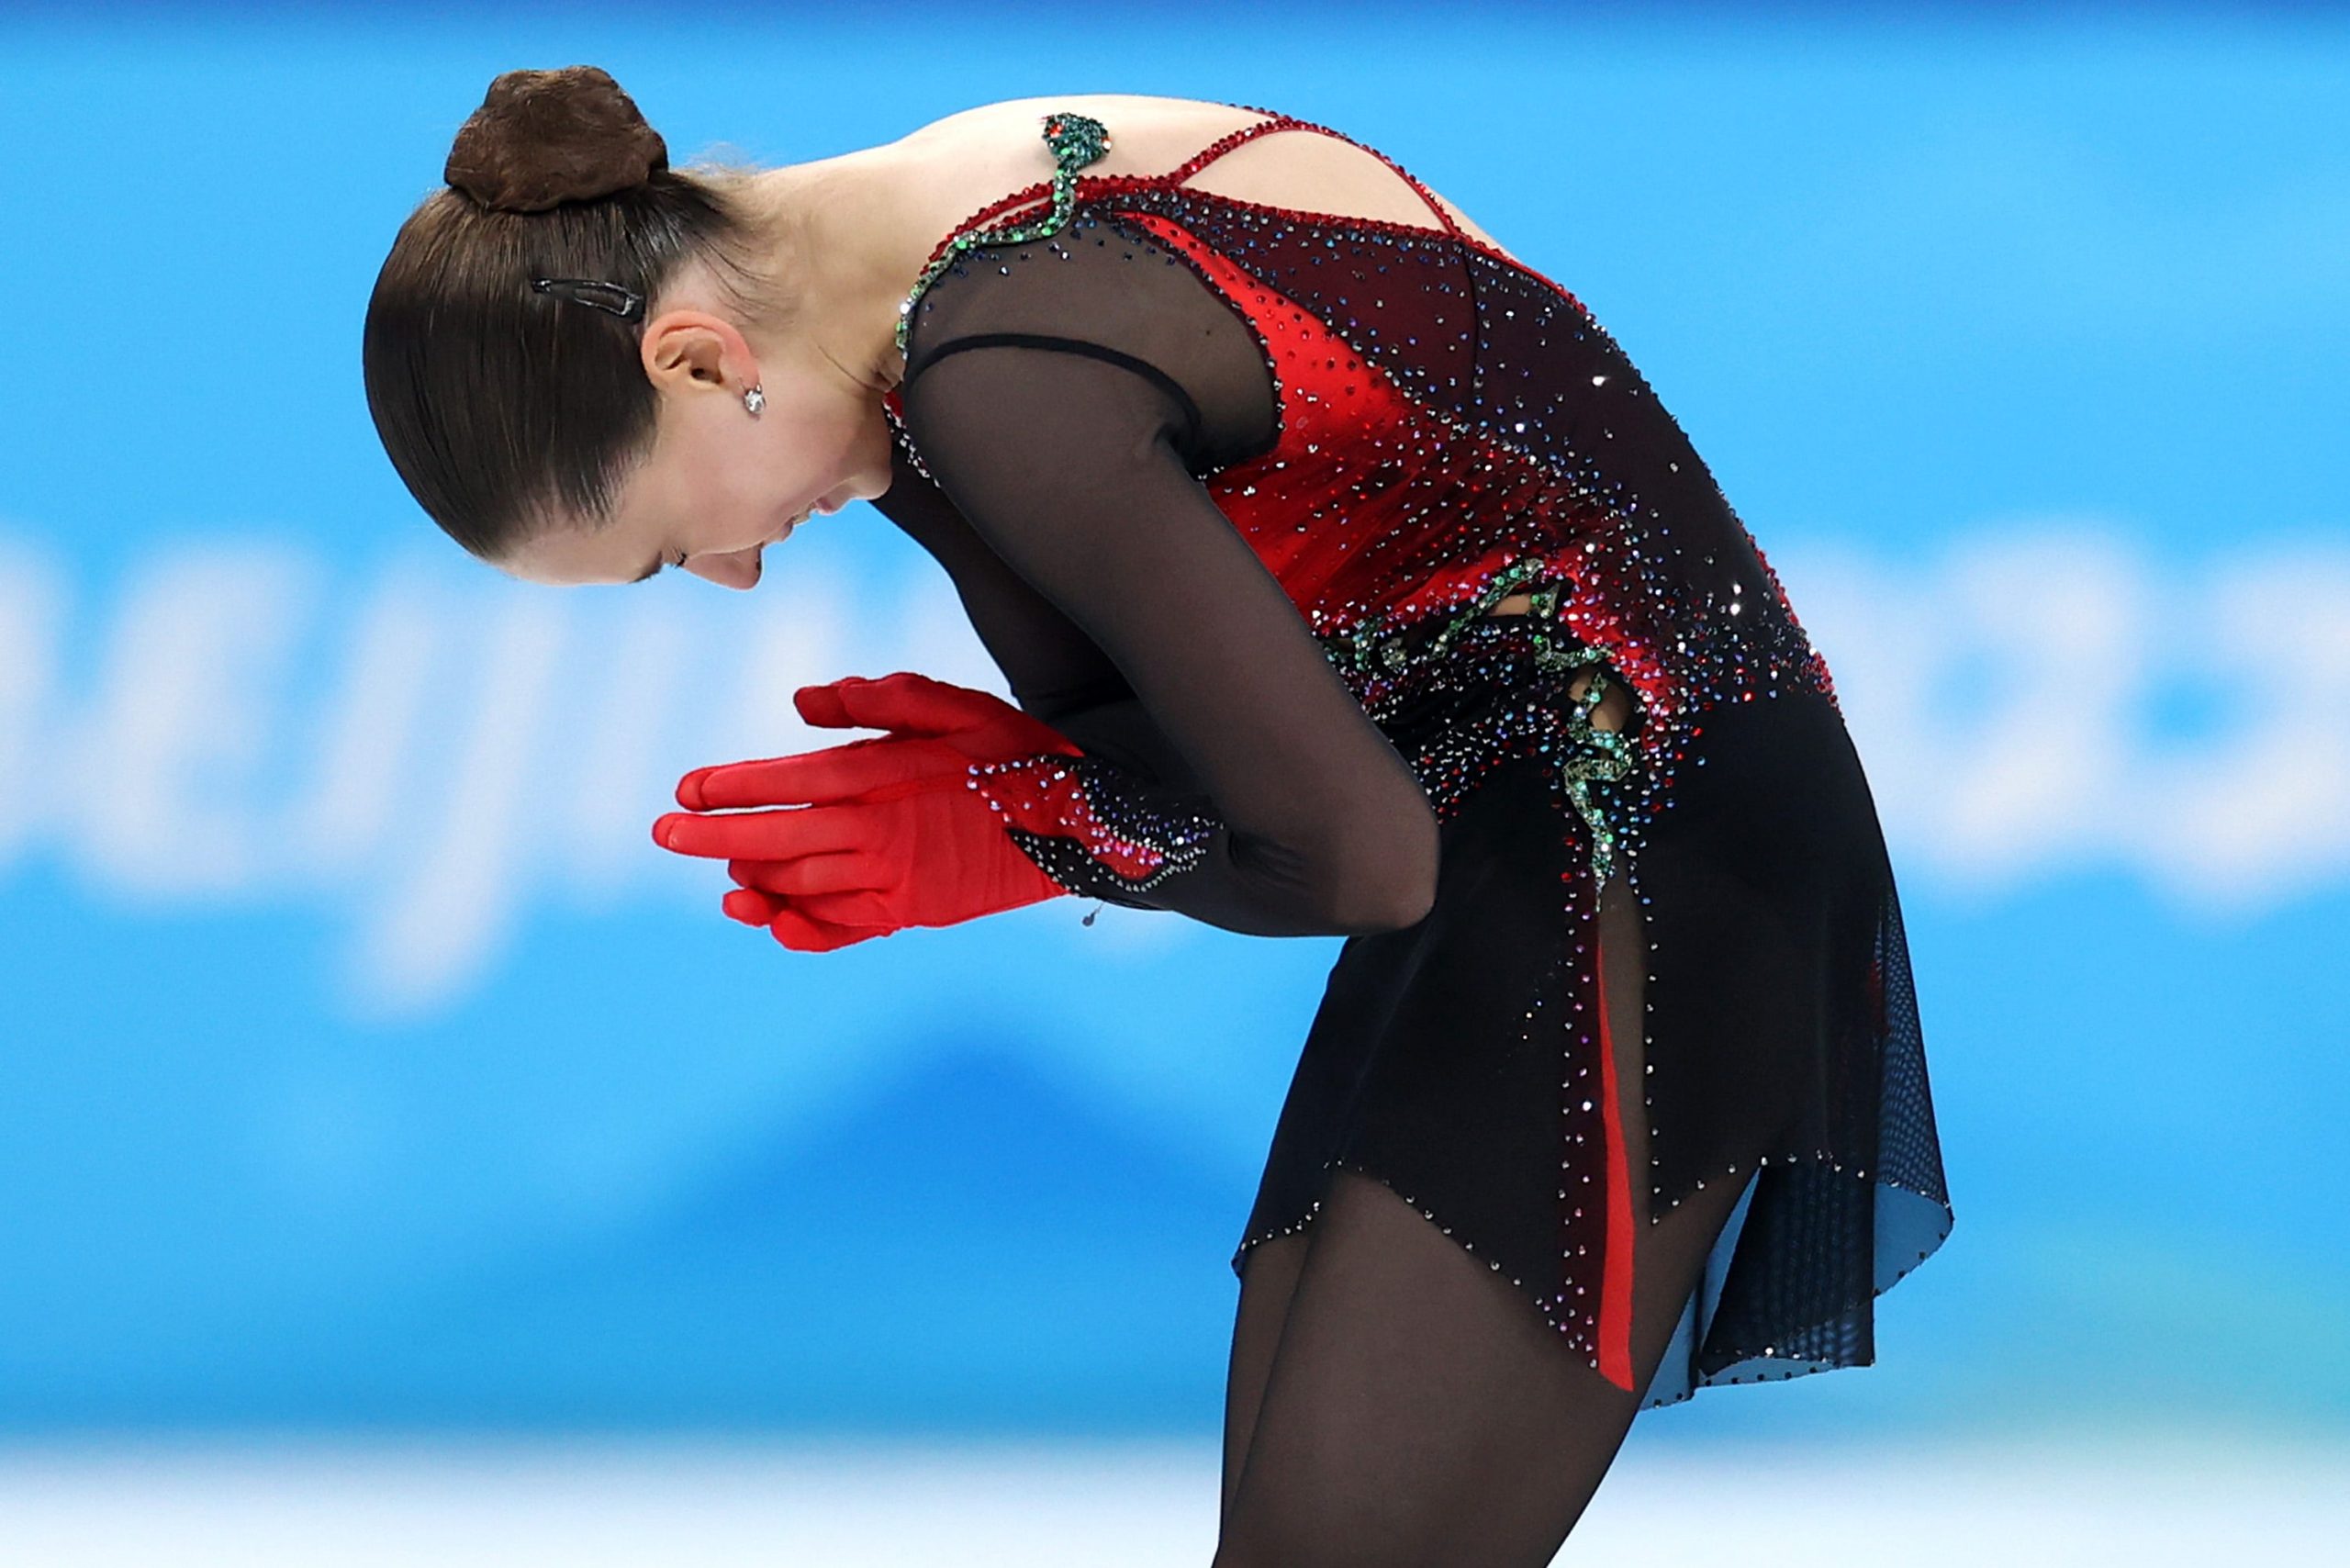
1395, 1403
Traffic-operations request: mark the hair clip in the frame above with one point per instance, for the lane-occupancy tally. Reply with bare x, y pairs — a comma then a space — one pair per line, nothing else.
622, 302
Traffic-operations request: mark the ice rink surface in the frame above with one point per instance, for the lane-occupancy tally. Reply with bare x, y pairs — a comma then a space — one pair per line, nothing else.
693, 1505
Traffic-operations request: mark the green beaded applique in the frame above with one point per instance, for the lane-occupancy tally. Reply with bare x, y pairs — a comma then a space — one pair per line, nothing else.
1371, 646
1076, 141
1589, 756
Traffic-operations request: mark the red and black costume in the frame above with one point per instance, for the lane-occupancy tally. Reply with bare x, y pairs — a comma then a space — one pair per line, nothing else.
1228, 491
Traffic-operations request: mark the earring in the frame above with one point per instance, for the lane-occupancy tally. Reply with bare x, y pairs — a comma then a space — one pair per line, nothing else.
754, 399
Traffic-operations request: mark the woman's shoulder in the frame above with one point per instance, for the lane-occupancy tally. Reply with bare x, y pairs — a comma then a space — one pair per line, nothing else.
993, 148
1148, 135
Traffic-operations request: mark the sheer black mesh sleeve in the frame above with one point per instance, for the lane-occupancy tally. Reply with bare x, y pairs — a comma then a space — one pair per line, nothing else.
1055, 670
1060, 395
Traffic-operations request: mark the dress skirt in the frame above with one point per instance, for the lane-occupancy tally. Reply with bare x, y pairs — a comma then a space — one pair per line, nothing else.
1469, 1061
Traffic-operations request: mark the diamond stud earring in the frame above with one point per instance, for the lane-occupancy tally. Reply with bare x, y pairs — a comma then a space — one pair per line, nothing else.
754, 399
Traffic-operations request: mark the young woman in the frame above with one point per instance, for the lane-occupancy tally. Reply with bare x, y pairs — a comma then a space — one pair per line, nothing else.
1350, 581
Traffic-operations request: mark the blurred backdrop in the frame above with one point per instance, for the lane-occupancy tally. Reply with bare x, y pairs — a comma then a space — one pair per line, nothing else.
384, 1113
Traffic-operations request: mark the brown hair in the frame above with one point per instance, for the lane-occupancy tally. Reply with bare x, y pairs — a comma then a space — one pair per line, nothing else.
502, 406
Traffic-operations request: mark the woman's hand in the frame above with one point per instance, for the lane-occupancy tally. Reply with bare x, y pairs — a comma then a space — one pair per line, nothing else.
872, 835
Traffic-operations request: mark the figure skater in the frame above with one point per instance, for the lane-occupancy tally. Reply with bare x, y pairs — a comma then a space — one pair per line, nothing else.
1350, 581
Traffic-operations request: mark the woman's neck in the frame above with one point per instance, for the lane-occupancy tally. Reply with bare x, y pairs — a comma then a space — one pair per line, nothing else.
853, 232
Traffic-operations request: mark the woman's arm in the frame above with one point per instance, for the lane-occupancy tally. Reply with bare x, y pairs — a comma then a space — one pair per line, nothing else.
1060, 450
1053, 668
1055, 671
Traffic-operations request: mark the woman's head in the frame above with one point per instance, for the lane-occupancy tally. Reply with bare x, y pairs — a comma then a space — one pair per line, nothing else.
573, 430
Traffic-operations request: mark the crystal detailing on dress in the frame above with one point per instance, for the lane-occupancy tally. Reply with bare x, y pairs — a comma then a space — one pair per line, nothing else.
1392, 666
1129, 845
1454, 427
1074, 866
1379, 437
893, 409
1076, 141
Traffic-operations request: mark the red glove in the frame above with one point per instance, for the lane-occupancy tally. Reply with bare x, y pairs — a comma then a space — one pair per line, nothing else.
877, 835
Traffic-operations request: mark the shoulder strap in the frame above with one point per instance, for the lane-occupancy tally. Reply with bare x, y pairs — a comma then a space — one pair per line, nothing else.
1076, 139
1280, 121
1112, 293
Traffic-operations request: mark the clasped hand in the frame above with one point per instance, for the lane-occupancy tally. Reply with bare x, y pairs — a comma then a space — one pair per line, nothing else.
868, 837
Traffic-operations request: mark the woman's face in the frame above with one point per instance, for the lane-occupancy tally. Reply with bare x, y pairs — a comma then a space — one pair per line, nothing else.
722, 485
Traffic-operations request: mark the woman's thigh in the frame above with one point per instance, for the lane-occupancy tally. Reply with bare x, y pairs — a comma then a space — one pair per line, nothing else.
1267, 1279
1416, 1408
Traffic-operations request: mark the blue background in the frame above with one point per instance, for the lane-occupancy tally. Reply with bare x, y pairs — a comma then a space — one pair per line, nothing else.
363, 1065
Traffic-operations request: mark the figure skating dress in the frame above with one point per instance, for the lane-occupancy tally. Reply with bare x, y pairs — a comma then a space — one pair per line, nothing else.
1231, 491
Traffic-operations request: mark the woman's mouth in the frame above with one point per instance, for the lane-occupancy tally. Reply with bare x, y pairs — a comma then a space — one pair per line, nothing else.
821, 508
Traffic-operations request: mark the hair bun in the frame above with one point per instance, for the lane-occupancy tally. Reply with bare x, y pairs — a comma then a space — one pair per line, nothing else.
545, 137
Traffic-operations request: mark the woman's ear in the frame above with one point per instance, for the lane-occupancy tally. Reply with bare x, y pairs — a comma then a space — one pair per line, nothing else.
685, 349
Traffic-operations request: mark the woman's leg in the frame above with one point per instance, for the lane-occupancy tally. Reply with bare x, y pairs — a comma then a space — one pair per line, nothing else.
1267, 1277
1417, 1410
